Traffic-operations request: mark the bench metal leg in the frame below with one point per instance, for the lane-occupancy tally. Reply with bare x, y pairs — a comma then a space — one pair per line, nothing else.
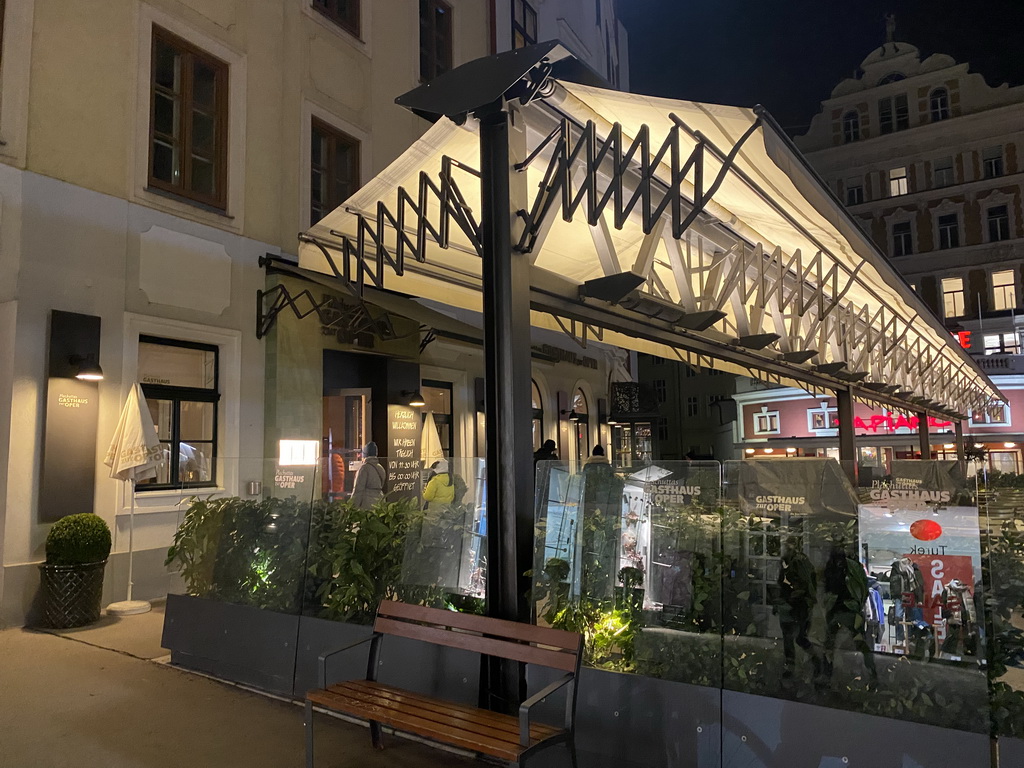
376, 736
309, 734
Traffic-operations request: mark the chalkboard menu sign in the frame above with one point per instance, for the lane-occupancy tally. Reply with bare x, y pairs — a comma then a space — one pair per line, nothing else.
403, 452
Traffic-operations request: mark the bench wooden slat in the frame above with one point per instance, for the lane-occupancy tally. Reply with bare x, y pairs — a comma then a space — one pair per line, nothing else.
494, 743
511, 630
495, 720
485, 645
446, 719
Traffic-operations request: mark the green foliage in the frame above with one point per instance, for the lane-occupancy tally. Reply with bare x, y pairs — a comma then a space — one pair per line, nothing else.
335, 561
356, 558
244, 551
78, 539
1005, 646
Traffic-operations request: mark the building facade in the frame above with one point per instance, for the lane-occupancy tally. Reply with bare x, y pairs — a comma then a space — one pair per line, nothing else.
925, 153
152, 154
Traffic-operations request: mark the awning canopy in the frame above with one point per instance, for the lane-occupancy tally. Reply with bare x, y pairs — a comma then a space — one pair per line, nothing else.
689, 231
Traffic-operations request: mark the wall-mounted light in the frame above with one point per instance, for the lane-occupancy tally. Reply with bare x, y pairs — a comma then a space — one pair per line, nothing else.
948, 446
791, 450
415, 398
1009, 445
571, 415
88, 368
769, 450
749, 451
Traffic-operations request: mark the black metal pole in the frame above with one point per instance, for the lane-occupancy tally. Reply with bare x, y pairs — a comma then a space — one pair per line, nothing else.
922, 435
847, 435
506, 305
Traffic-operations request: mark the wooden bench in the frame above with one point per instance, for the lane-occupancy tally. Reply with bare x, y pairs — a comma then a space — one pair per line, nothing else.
477, 730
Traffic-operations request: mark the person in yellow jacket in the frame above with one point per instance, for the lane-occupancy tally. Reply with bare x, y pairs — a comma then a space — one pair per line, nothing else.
440, 489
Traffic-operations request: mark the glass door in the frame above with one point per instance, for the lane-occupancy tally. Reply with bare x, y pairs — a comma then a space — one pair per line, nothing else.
346, 419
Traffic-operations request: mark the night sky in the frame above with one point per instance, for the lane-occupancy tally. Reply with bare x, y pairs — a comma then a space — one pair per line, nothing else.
789, 54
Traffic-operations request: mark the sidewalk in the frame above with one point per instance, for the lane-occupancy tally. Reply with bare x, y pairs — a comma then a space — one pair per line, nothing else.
92, 698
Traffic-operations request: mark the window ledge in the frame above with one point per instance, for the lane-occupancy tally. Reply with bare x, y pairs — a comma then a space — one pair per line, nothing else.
185, 200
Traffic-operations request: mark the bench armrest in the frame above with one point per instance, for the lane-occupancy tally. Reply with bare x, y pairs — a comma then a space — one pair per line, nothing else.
324, 656
524, 709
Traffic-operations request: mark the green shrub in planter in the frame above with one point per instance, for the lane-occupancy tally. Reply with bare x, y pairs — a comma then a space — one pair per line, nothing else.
77, 548
78, 539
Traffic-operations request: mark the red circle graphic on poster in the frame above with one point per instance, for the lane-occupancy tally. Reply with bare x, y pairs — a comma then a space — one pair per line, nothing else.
925, 530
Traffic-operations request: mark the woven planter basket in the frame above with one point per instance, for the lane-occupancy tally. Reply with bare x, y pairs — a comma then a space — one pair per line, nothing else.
72, 594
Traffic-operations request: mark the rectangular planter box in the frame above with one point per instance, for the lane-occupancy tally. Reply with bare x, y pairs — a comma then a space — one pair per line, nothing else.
233, 642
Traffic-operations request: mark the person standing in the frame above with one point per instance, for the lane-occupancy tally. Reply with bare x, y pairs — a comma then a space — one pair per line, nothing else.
440, 488
370, 479
546, 452
798, 592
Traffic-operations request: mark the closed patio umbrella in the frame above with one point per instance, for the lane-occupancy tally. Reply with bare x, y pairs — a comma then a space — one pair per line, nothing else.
134, 454
430, 441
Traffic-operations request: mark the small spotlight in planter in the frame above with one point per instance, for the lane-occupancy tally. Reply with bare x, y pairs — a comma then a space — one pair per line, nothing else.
298, 453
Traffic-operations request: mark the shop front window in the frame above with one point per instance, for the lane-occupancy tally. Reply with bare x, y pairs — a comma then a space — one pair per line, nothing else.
179, 380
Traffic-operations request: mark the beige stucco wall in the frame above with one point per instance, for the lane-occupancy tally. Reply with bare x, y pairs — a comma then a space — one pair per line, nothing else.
86, 108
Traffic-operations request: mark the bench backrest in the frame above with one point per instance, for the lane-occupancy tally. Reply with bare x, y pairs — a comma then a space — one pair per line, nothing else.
547, 647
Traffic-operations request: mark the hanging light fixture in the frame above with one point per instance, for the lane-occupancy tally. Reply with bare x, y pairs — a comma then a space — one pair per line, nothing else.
88, 368
415, 398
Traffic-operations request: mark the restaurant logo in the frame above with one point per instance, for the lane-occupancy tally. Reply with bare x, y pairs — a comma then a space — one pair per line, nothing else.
72, 401
925, 530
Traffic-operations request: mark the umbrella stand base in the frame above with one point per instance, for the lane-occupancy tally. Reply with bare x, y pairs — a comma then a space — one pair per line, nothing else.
128, 608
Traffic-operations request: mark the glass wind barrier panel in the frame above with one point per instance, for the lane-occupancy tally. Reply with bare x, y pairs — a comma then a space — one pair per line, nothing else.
1001, 499
868, 599
291, 535
242, 538
406, 528
631, 557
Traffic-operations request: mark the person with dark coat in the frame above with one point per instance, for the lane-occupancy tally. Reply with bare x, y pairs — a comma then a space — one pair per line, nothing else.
846, 592
370, 479
546, 452
798, 592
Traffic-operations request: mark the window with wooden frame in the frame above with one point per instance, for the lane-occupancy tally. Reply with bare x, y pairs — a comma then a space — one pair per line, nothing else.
188, 121
524, 24
333, 169
344, 13
180, 382
435, 38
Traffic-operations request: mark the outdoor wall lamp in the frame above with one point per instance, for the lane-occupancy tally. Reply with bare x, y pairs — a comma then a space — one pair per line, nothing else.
88, 368
415, 398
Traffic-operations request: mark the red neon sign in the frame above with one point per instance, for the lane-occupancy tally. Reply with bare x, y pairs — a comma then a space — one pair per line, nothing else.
964, 337
888, 421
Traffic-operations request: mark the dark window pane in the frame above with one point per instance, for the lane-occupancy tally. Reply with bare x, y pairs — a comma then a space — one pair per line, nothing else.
203, 134
165, 162
202, 176
165, 115
204, 88
166, 66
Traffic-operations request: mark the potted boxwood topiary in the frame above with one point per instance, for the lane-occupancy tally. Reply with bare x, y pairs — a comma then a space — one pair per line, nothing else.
77, 548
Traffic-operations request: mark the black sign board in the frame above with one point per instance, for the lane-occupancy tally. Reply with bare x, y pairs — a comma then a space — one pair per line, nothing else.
403, 452
72, 412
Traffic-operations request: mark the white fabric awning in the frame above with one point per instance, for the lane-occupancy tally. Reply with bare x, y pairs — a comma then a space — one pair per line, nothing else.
771, 250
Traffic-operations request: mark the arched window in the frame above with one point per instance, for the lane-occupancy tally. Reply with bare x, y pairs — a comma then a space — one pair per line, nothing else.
939, 104
892, 77
537, 404
581, 420
851, 126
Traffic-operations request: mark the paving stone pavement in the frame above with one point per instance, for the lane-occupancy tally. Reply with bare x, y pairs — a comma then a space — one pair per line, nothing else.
65, 701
